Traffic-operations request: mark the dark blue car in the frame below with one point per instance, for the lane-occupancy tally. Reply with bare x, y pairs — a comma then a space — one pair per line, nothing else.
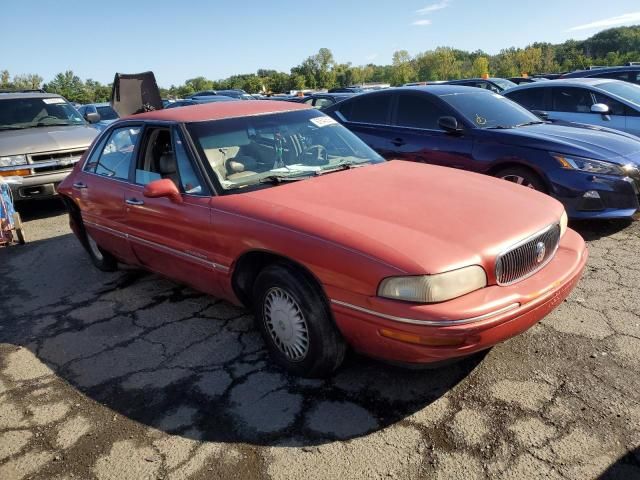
593, 171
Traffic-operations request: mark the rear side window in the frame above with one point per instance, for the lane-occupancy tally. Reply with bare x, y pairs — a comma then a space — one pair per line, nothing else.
113, 158
368, 109
416, 111
530, 98
573, 100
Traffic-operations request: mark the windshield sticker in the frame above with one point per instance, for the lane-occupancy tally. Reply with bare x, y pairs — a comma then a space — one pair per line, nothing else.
50, 101
322, 121
480, 120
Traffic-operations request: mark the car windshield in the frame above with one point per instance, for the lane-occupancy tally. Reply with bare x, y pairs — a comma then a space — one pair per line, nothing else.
489, 110
503, 83
18, 113
628, 91
277, 147
107, 113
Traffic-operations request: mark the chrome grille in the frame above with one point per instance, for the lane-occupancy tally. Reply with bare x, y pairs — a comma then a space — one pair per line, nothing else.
67, 157
528, 256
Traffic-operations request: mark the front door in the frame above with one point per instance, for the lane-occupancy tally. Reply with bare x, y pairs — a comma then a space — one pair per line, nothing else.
100, 190
169, 237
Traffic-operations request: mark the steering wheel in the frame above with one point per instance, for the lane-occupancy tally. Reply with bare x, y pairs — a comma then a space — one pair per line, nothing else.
48, 116
322, 156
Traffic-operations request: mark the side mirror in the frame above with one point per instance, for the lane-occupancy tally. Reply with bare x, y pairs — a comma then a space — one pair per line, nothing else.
449, 124
601, 108
162, 188
92, 117
541, 114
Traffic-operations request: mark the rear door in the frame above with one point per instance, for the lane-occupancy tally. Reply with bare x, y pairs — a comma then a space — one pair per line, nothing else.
171, 238
100, 189
419, 138
369, 117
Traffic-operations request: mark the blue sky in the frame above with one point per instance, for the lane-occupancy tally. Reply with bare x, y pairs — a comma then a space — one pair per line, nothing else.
187, 38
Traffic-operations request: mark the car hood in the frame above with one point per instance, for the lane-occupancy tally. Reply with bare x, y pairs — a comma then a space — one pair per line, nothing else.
571, 139
417, 218
46, 139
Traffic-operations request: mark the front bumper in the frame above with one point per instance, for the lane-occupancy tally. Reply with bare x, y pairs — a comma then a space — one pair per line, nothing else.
39, 186
585, 195
461, 326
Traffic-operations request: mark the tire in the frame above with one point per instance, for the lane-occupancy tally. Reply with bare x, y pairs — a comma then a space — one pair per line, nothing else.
102, 259
523, 176
296, 323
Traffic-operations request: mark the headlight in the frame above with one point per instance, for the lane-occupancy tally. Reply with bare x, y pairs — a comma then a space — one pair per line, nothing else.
588, 165
13, 160
434, 288
564, 221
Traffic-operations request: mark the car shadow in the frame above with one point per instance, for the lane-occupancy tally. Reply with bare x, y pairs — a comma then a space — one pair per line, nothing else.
185, 363
626, 467
596, 229
39, 209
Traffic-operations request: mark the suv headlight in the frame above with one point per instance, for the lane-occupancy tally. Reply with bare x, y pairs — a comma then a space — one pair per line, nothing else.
589, 165
13, 160
434, 288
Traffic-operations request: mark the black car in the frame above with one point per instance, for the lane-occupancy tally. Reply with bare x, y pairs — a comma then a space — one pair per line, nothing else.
629, 73
523, 80
346, 90
593, 172
324, 100
496, 85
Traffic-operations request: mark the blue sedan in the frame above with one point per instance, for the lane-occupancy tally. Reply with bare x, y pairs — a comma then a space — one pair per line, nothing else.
594, 101
593, 172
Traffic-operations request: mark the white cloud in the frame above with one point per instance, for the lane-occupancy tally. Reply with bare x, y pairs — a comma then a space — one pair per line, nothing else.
422, 23
371, 57
432, 8
609, 22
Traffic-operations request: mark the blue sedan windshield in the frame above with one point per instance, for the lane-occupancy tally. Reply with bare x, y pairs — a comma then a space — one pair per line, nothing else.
489, 110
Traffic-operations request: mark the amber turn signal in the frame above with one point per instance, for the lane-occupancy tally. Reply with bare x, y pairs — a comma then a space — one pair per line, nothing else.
419, 340
15, 173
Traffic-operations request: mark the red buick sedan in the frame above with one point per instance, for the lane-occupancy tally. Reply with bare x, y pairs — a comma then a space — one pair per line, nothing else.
275, 206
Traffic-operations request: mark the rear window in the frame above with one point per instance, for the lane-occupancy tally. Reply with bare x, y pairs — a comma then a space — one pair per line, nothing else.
530, 98
368, 109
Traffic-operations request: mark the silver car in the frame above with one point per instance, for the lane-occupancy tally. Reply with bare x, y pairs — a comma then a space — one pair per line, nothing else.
41, 137
594, 101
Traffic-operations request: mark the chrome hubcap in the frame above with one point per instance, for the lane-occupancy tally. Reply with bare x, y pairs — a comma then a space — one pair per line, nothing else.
286, 324
519, 180
93, 246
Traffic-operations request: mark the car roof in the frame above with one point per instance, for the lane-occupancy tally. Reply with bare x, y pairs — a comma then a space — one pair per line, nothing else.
595, 71
440, 89
29, 95
569, 82
219, 111
99, 104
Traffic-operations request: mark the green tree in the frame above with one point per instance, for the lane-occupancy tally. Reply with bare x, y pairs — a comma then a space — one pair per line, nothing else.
480, 67
403, 70
69, 86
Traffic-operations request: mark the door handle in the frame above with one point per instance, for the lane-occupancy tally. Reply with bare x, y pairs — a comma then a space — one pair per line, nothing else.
134, 201
79, 185
398, 142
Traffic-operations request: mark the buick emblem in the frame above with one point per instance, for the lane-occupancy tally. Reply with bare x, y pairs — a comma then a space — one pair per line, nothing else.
540, 251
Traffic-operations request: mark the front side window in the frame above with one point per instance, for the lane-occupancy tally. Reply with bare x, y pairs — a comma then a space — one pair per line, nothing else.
268, 149
189, 179
571, 100
116, 154
416, 111
322, 103
20, 113
489, 110
615, 107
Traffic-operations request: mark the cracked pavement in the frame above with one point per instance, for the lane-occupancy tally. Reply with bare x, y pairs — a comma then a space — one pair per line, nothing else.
131, 376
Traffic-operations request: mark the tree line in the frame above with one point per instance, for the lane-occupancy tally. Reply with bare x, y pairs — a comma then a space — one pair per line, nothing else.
614, 46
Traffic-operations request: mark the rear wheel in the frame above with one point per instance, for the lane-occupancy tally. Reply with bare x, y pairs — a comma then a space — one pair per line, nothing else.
523, 176
102, 259
296, 323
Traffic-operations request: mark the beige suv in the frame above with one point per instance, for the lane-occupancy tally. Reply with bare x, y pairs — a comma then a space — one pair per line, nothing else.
41, 137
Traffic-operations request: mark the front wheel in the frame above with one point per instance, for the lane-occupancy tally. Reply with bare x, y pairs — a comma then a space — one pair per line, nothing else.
523, 176
295, 321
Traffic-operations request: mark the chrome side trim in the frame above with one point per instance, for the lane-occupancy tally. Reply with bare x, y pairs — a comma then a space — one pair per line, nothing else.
429, 323
187, 255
